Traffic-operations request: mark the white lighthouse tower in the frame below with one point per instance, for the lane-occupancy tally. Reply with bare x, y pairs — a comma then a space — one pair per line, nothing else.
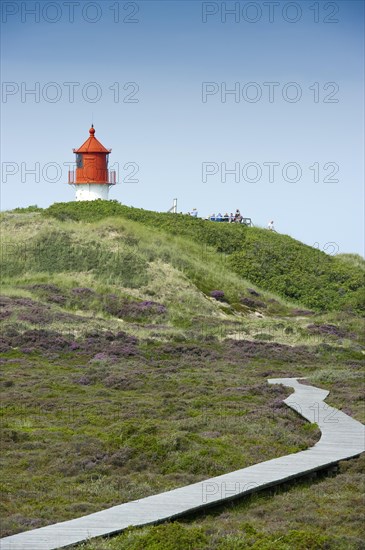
92, 179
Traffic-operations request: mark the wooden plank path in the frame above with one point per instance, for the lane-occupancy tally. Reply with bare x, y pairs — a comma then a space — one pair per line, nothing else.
342, 438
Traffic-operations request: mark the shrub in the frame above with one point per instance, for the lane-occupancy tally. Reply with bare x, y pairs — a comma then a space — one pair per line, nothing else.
328, 329
217, 295
132, 310
252, 303
296, 271
28, 209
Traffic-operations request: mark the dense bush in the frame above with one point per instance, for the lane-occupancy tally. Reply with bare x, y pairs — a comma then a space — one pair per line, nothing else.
283, 265
28, 209
217, 295
132, 310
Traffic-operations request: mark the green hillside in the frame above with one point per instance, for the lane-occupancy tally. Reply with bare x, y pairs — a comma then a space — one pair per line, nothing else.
136, 348
274, 262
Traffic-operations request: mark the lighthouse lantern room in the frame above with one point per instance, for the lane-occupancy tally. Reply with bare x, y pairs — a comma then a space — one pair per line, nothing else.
92, 179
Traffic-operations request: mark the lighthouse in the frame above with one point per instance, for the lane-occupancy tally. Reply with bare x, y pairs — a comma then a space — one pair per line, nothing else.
92, 179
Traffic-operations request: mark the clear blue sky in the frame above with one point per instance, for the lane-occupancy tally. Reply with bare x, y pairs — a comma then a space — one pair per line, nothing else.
169, 51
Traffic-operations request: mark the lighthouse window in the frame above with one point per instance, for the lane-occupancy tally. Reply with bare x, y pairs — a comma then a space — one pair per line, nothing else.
79, 163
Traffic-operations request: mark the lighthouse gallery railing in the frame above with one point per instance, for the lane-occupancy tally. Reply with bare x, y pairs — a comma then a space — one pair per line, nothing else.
108, 176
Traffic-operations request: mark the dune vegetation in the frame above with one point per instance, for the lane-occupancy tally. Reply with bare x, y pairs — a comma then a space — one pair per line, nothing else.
136, 348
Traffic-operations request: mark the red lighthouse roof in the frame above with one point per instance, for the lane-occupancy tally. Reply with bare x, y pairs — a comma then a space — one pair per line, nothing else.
92, 145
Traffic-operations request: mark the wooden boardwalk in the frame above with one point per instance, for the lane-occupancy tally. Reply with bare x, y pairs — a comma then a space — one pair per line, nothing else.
342, 438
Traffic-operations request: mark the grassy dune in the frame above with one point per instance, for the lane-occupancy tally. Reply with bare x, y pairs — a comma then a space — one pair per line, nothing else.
125, 372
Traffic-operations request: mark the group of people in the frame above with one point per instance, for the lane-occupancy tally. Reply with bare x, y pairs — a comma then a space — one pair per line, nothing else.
230, 218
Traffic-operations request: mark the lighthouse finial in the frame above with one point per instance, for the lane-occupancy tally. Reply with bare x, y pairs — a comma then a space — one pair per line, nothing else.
92, 130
